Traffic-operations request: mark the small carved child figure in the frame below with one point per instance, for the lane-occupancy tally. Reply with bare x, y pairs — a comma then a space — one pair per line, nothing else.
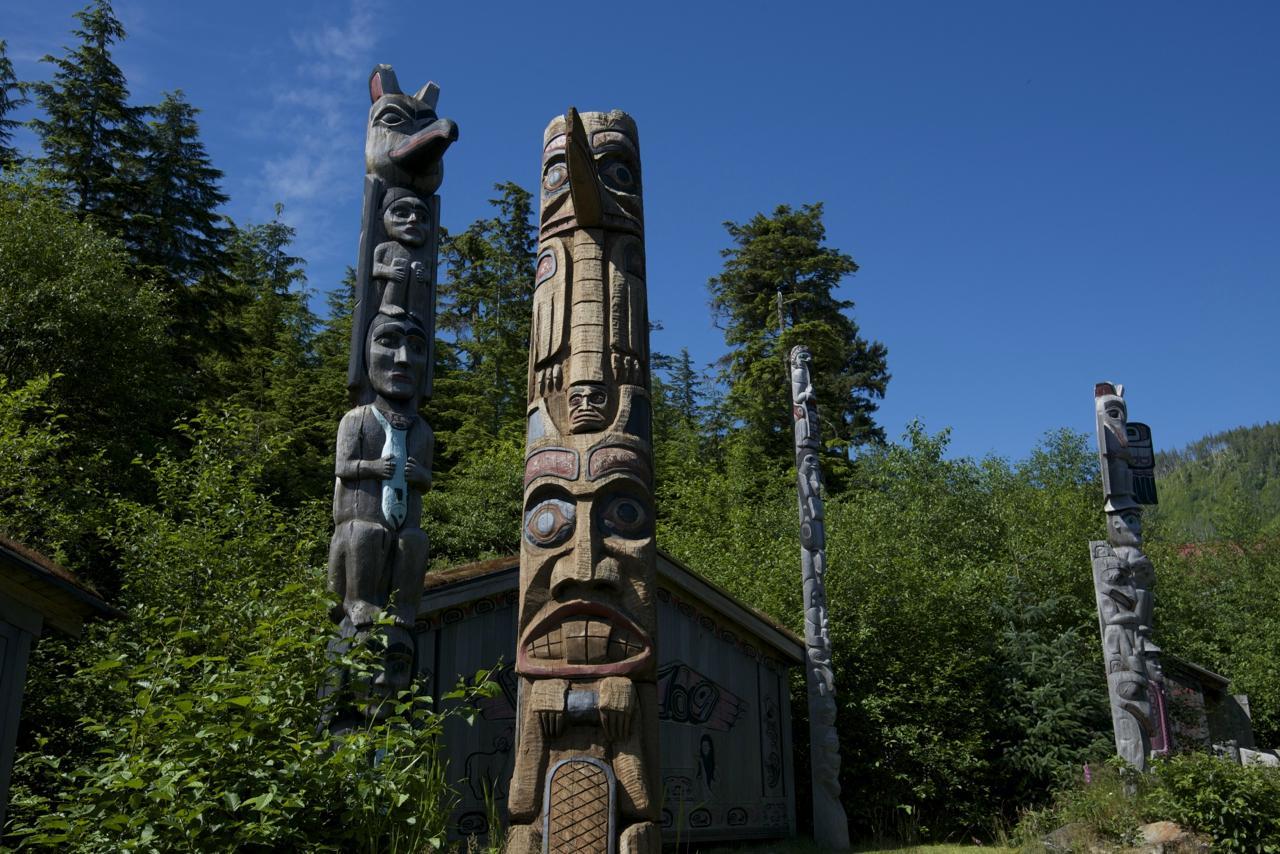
401, 262
379, 551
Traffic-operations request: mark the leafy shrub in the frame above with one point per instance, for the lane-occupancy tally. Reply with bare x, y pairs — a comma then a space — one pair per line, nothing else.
199, 723
1239, 806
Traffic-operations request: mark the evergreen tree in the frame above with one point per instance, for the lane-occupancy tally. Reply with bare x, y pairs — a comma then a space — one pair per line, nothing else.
485, 305
683, 386
13, 94
178, 232
778, 272
91, 136
272, 326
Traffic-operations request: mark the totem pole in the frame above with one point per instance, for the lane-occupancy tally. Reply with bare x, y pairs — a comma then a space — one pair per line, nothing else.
830, 825
586, 767
1122, 580
378, 554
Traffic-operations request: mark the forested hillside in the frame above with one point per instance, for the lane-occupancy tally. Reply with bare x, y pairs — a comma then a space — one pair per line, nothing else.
1224, 486
168, 402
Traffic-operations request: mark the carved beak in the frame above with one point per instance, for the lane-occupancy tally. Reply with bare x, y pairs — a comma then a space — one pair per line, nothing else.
427, 145
583, 183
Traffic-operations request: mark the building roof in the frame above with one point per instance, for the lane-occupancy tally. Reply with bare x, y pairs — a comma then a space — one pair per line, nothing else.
459, 584
1216, 680
35, 581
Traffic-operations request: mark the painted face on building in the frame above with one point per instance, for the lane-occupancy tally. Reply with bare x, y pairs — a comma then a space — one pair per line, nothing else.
587, 549
397, 357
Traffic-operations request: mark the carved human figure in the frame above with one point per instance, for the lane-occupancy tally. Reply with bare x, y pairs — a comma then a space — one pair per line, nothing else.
1123, 577
378, 553
400, 264
586, 747
830, 824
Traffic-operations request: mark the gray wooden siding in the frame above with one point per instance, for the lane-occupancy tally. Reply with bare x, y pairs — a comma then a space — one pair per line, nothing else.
723, 709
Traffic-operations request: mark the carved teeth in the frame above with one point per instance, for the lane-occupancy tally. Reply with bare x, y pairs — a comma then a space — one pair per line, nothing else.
586, 641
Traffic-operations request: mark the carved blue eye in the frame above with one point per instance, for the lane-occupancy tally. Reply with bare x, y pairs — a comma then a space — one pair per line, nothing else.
555, 178
549, 522
617, 175
625, 516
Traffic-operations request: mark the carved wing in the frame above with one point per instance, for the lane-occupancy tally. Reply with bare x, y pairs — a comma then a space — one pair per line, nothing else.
548, 333
1142, 462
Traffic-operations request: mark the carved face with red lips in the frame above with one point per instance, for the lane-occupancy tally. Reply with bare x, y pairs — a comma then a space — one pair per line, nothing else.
587, 542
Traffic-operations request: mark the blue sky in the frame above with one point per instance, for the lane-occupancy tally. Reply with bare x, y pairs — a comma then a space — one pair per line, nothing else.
1040, 195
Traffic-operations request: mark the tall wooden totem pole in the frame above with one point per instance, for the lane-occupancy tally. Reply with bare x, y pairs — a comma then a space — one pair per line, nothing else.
378, 553
1122, 579
586, 767
830, 824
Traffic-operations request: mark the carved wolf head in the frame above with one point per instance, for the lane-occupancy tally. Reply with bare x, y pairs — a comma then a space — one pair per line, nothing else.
406, 140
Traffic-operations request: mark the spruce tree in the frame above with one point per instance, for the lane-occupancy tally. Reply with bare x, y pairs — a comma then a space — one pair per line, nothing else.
485, 303
177, 232
13, 94
92, 137
777, 290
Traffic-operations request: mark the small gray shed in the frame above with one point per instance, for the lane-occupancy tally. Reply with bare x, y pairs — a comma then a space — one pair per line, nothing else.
723, 700
34, 592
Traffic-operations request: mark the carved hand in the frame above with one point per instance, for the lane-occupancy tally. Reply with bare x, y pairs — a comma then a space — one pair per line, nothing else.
617, 703
419, 271
400, 270
546, 700
384, 468
416, 474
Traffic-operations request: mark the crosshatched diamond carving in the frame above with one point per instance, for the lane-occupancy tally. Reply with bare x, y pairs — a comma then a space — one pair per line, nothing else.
580, 815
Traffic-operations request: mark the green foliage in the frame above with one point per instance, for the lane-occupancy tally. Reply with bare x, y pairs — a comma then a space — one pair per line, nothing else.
1215, 608
70, 310
485, 305
783, 254
178, 233
474, 511
1054, 716
1101, 812
967, 672
31, 441
90, 134
1239, 806
200, 721
1225, 486
13, 94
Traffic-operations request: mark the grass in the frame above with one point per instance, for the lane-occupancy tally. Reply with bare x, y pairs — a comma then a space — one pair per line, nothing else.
805, 846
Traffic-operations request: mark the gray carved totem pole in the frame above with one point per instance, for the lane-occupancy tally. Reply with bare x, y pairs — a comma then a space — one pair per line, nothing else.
1122, 579
378, 554
830, 825
586, 766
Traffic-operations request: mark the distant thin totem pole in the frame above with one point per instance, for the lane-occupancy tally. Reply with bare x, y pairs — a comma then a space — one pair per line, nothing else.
586, 767
830, 824
378, 554
1123, 578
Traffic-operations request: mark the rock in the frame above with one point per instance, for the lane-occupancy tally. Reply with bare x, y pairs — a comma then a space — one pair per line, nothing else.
1066, 838
1167, 837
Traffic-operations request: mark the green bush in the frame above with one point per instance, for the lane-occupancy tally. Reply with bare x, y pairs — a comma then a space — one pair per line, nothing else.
199, 724
1239, 806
